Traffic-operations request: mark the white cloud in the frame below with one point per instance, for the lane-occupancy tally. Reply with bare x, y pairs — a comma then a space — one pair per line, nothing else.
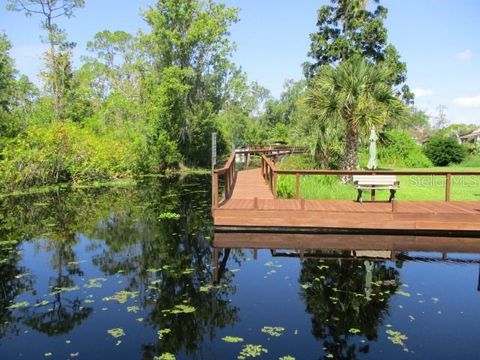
464, 55
420, 92
468, 101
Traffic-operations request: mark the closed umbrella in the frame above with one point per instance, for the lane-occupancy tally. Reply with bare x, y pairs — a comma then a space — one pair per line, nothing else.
372, 162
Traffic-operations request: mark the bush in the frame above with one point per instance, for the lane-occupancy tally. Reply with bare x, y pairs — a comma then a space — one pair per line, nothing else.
445, 150
398, 149
63, 152
298, 162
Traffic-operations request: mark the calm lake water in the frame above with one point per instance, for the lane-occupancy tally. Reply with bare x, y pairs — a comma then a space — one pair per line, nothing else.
127, 273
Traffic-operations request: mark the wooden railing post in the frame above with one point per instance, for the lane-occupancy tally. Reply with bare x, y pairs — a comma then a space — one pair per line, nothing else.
448, 185
297, 186
215, 191
275, 185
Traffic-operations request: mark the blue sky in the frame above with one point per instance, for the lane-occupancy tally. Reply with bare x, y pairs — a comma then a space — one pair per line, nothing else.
438, 39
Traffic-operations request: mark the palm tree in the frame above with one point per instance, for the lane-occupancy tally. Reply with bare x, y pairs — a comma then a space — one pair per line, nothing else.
356, 95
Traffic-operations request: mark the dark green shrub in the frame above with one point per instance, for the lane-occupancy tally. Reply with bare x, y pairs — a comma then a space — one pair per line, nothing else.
445, 150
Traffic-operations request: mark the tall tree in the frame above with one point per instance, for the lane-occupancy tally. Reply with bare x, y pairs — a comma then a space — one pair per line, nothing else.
16, 95
189, 47
347, 28
58, 56
7, 85
356, 94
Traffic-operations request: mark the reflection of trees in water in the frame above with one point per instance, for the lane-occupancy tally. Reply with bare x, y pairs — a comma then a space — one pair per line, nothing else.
126, 235
180, 252
13, 282
349, 294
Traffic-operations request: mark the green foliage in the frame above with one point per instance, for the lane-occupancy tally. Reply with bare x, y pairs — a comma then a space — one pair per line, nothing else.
347, 29
355, 95
64, 152
398, 149
445, 150
189, 50
298, 162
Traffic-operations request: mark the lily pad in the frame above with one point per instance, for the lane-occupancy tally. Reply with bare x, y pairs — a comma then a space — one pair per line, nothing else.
232, 339
251, 350
116, 333
273, 330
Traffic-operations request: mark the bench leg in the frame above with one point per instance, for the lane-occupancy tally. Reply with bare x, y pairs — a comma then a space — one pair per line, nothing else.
392, 195
359, 197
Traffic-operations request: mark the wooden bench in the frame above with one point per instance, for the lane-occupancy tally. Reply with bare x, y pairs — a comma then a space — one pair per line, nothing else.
376, 182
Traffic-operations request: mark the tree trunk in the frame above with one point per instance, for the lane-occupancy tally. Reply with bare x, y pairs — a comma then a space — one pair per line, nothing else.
350, 158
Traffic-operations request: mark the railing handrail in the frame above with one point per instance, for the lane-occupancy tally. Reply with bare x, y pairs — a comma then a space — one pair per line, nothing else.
375, 172
227, 165
270, 171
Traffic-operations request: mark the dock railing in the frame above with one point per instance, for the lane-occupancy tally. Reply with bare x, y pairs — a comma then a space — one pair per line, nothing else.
223, 179
270, 173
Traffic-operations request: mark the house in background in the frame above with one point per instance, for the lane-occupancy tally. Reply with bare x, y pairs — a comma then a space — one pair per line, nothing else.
471, 137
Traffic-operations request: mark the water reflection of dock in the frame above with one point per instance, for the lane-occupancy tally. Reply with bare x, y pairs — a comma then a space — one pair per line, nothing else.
335, 246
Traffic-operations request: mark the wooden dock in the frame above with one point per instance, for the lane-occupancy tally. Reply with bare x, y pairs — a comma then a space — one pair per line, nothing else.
250, 205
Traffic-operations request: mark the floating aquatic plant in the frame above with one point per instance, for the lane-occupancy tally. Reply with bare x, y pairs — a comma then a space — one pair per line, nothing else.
122, 296
169, 216
273, 330
396, 337
133, 309
163, 332
19, 305
42, 303
95, 283
232, 339
403, 293
165, 356
206, 288
58, 290
286, 357
74, 263
272, 264
116, 333
354, 331
180, 309
250, 350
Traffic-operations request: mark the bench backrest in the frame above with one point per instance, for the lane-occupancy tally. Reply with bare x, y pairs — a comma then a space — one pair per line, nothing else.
374, 179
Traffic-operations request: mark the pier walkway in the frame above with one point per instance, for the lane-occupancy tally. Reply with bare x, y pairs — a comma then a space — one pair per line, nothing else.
250, 204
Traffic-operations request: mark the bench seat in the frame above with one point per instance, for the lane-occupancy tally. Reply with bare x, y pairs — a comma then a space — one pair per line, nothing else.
376, 182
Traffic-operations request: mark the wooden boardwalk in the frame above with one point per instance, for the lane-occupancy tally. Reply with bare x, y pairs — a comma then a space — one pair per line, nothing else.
251, 207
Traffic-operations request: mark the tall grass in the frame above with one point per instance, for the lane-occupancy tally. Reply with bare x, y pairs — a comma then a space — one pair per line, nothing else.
412, 187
